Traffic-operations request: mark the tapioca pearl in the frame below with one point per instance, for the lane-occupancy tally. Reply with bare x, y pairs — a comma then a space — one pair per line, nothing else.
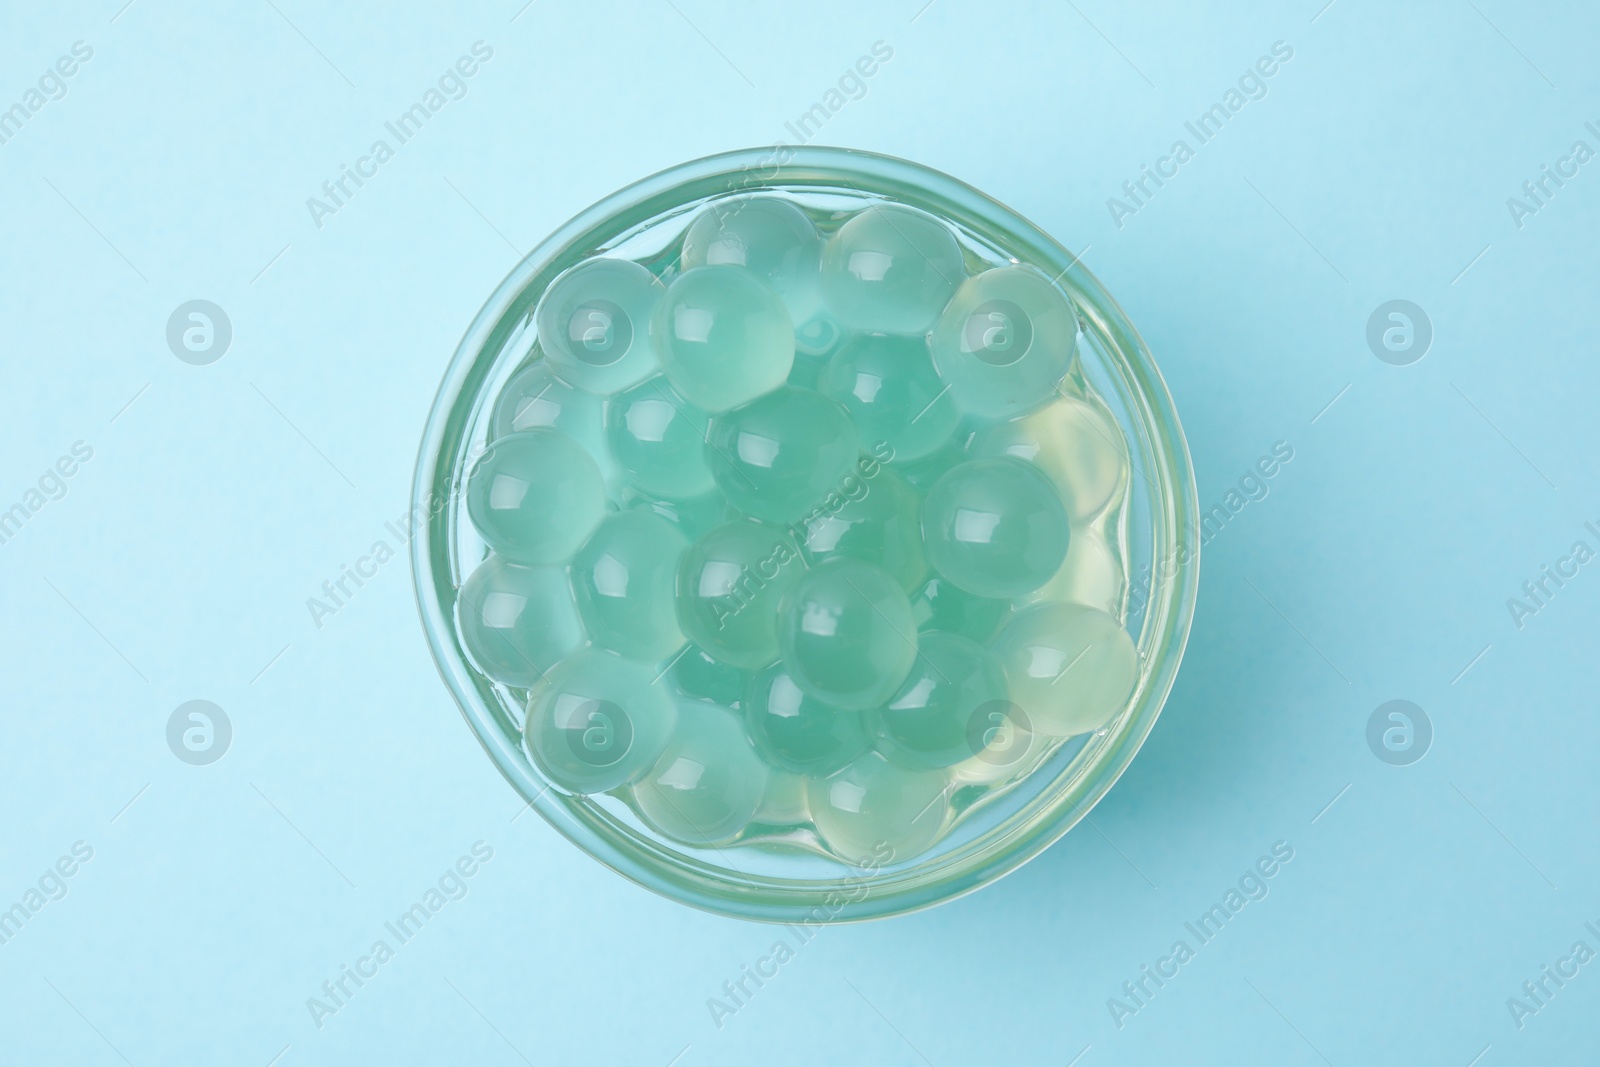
890, 269
625, 578
730, 583
594, 324
942, 712
1075, 444
1072, 668
888, 385
785, 801
1005, 342
876, 811
797, 732
708, 783
536, 496
658, 439
517, 622
995, 527
846, 633
770, 237
873, 516
597, 722
725, 337
776, 457
939, 604
1090, 575
700, 674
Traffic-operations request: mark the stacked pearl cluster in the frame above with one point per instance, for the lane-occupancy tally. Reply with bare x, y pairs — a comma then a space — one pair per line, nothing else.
801, 527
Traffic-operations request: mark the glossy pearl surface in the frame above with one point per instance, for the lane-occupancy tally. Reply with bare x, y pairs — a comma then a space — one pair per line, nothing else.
536, 496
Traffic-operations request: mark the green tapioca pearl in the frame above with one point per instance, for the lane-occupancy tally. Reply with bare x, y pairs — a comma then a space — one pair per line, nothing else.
995, 527
929, 721
1005, 341
874, 516
658, 439
775, 457
535, 398
730, 583
798, 732
702, 675
625, 578
594, 324
597, 722
874, 810
535, 496
847, 634
890, 269
939, 604
891, 390
725, 337
767, 236
708, 782
518, 622
1071, 668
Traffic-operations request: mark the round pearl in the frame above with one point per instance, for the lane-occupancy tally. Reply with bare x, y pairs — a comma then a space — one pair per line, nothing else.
769, 237
535, 399
1071, 667
1005, 342
725, 337
995, 527
597, 722
594, 324
517, 622
1076, 446
708, 783
874, 810
940, 714
846, 633
778, 456
535, 496
625, 578
798, 732
888, 385
658, 439
730, 583
890, 269
938, 604
877, 518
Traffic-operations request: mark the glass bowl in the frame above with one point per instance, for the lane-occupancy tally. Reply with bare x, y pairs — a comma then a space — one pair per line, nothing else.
784, 876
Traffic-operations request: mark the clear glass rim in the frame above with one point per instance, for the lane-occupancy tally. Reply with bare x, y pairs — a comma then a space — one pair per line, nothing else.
1174, 517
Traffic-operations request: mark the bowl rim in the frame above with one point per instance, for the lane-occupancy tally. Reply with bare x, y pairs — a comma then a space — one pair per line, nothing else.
1175, 541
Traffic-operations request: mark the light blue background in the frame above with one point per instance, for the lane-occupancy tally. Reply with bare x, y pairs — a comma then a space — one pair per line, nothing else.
179, 563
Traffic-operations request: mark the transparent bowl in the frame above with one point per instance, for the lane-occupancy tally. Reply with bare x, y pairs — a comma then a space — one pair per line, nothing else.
1152, 530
